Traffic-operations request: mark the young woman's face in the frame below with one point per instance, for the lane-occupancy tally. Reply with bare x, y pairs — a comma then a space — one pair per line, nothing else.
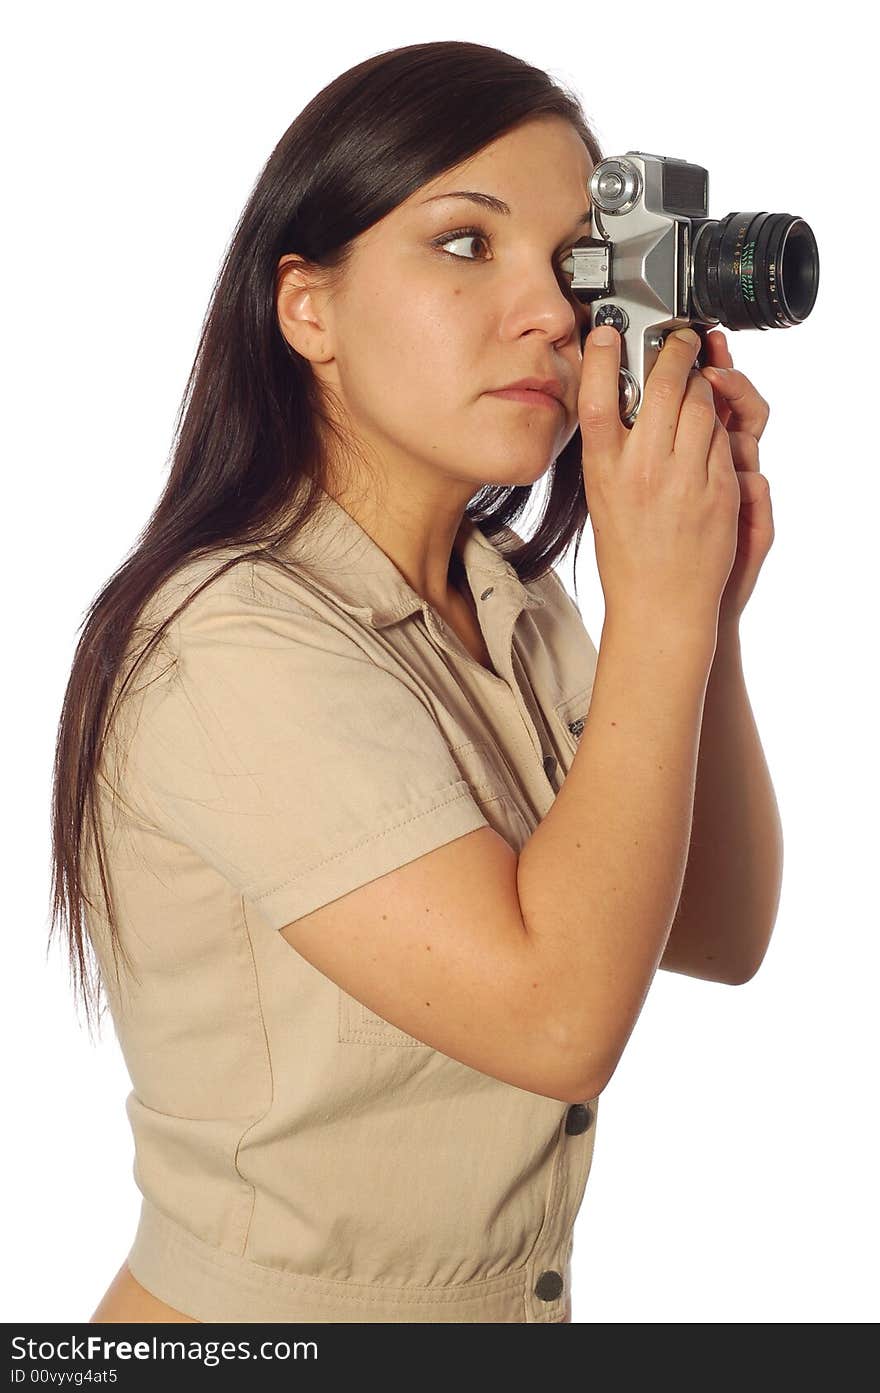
430, 318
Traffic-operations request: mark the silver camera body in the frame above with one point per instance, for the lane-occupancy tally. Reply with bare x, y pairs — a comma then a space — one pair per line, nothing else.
655, 261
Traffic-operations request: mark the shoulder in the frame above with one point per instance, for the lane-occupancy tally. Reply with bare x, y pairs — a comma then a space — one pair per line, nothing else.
225, 592
198, 623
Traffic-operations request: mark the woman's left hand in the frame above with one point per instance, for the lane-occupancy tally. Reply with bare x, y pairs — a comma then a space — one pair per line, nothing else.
744, 414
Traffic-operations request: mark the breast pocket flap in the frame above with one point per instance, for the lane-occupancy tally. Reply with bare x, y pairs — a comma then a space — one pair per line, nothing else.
572, 714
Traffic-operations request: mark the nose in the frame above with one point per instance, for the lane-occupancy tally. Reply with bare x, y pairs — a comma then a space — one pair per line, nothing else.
541, 302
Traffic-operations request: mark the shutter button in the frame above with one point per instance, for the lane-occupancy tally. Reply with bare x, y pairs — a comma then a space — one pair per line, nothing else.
549, 1286
578, 1119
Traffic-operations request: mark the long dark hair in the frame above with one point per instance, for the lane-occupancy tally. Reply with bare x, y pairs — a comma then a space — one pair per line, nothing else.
247, 437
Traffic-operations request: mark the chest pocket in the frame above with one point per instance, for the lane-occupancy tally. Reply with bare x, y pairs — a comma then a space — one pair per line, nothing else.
571, 715
479, 767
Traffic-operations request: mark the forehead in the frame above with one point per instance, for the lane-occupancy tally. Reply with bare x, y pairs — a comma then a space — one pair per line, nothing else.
541, 164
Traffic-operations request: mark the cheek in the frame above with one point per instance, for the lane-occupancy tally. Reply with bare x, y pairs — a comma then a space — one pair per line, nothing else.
414, 350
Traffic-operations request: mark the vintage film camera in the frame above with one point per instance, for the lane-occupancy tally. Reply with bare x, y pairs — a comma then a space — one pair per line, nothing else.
656, 262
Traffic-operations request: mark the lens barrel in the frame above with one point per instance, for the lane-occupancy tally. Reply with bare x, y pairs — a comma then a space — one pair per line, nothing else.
754, 270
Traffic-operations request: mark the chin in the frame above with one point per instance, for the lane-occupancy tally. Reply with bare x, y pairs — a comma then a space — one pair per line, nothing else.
507, 477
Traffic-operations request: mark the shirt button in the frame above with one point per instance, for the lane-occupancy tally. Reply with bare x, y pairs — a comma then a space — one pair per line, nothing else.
549, 766
578, 1119
549, 1286
486, 593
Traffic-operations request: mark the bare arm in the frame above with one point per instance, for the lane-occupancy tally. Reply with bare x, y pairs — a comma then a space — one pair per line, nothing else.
534, 969
600, 877
733, 879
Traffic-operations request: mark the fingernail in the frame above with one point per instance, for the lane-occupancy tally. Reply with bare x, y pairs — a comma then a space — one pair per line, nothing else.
688, 335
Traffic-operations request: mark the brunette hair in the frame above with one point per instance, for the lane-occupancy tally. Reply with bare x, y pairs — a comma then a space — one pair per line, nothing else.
247, 434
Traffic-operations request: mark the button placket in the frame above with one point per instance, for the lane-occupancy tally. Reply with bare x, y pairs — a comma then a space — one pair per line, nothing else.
552, 1253
448, 640
548, 1254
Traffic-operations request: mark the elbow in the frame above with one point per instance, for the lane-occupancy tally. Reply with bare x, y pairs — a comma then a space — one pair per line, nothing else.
588, 1083
590, 1088
581, 1086
739, 979
592, 1062
743, 973
753, 964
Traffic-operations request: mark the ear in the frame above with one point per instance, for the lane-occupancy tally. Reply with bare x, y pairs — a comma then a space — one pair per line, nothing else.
299, 306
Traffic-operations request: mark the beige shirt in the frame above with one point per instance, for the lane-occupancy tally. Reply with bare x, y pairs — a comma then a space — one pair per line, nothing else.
298, 734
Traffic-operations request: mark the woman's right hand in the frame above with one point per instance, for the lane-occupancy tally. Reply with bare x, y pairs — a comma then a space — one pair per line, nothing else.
663, 497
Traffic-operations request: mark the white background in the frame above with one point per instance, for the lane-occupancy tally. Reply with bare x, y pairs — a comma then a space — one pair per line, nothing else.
735, 1171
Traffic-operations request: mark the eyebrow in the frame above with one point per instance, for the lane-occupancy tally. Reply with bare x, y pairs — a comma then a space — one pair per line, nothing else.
495, 205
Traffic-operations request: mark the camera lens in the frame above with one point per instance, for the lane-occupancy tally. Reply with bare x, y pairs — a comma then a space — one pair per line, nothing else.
755, 270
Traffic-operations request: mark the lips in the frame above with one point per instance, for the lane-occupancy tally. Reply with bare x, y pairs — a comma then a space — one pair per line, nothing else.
528, 396
551, 386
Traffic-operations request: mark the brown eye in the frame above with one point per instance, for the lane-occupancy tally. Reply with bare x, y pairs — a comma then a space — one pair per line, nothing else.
467, 234
476, 234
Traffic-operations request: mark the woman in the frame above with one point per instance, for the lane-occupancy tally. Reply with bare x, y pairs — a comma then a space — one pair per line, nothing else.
372, 986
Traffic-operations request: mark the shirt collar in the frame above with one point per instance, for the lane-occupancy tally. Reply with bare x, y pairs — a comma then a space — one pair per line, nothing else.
344, 562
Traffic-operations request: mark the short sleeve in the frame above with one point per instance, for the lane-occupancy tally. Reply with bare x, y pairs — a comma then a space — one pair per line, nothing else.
288, 759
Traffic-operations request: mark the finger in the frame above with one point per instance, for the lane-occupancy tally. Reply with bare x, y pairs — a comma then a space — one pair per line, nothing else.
748, 410
665, 389
599, 395
722, 410
696, 425
745, 451
717, 353
754, 488
720, 458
